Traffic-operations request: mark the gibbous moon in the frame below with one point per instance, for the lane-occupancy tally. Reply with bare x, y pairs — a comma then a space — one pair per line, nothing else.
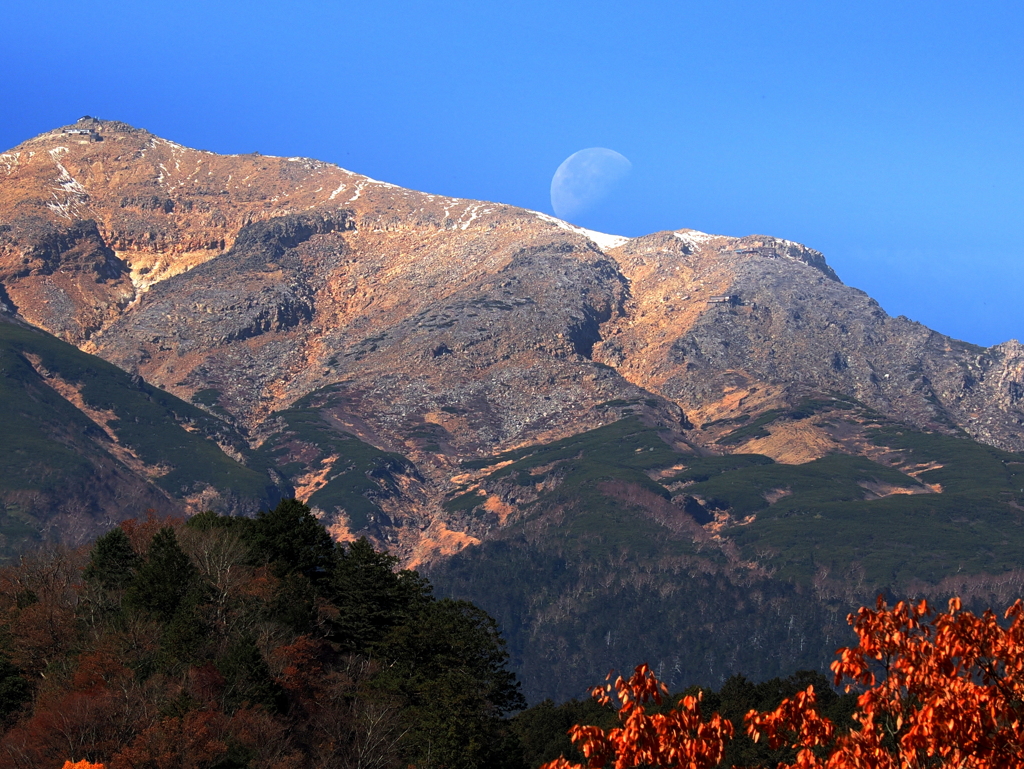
585, 178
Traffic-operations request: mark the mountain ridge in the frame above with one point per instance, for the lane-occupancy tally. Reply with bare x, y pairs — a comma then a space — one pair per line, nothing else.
719, 427
246, 283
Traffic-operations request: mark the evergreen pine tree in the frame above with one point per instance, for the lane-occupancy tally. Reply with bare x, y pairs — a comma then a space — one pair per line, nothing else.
291, 540
164, 580
112, 562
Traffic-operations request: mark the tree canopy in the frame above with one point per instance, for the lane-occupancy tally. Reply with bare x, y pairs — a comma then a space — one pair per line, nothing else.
935, 689
230, 643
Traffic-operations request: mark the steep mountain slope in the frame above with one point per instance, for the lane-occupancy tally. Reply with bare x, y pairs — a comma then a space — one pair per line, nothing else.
690, 415
86, 445
705, 566
791, 325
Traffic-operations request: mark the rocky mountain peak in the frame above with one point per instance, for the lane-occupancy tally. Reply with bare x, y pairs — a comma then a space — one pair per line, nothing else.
443, 329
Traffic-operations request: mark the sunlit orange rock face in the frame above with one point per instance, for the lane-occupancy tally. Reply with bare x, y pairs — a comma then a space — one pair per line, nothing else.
445, 329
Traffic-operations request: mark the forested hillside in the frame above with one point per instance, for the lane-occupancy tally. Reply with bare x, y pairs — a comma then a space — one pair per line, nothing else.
258, 643
731, 564
233, 642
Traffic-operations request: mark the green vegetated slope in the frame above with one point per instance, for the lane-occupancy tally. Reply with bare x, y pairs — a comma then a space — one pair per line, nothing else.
824, 524
575, 467
603, 571
358, 475
55, 458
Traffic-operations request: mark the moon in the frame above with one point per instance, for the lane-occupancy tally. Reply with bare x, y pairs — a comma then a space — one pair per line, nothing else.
585, 178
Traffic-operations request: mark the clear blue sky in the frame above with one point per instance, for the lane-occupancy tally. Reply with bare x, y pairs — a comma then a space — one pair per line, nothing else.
886, 134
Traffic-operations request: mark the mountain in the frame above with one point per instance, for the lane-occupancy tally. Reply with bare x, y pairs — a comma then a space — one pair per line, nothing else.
711, 439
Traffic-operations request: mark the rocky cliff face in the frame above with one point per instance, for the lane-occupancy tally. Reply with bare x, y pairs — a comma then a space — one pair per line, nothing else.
788, 326
444, 329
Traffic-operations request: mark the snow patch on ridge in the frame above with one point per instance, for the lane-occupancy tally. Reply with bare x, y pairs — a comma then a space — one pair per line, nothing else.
359, 191
310, 164
696, 237
602, 240
473, 211
366, 180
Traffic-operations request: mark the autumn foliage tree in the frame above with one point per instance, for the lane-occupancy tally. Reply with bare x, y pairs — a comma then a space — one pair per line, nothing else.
942, 689
244, 643
678, 738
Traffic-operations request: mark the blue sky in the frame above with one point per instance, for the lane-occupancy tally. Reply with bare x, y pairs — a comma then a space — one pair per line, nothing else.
885, 134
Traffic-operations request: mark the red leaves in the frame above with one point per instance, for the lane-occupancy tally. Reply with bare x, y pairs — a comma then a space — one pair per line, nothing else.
952, 691
193, 741
795, 723
79, 723
946, 690
679, 738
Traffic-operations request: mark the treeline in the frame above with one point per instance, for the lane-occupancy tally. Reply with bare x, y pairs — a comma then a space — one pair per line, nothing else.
231, 643
258, 643
543, 730
935, 689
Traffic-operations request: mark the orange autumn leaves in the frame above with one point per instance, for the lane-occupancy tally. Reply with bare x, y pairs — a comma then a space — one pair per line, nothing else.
941, 689
81, 765
678, 738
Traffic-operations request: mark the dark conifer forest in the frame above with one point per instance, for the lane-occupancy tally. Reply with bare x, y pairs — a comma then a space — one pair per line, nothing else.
245, 642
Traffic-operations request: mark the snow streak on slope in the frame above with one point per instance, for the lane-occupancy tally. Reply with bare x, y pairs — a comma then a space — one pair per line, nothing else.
602, 240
